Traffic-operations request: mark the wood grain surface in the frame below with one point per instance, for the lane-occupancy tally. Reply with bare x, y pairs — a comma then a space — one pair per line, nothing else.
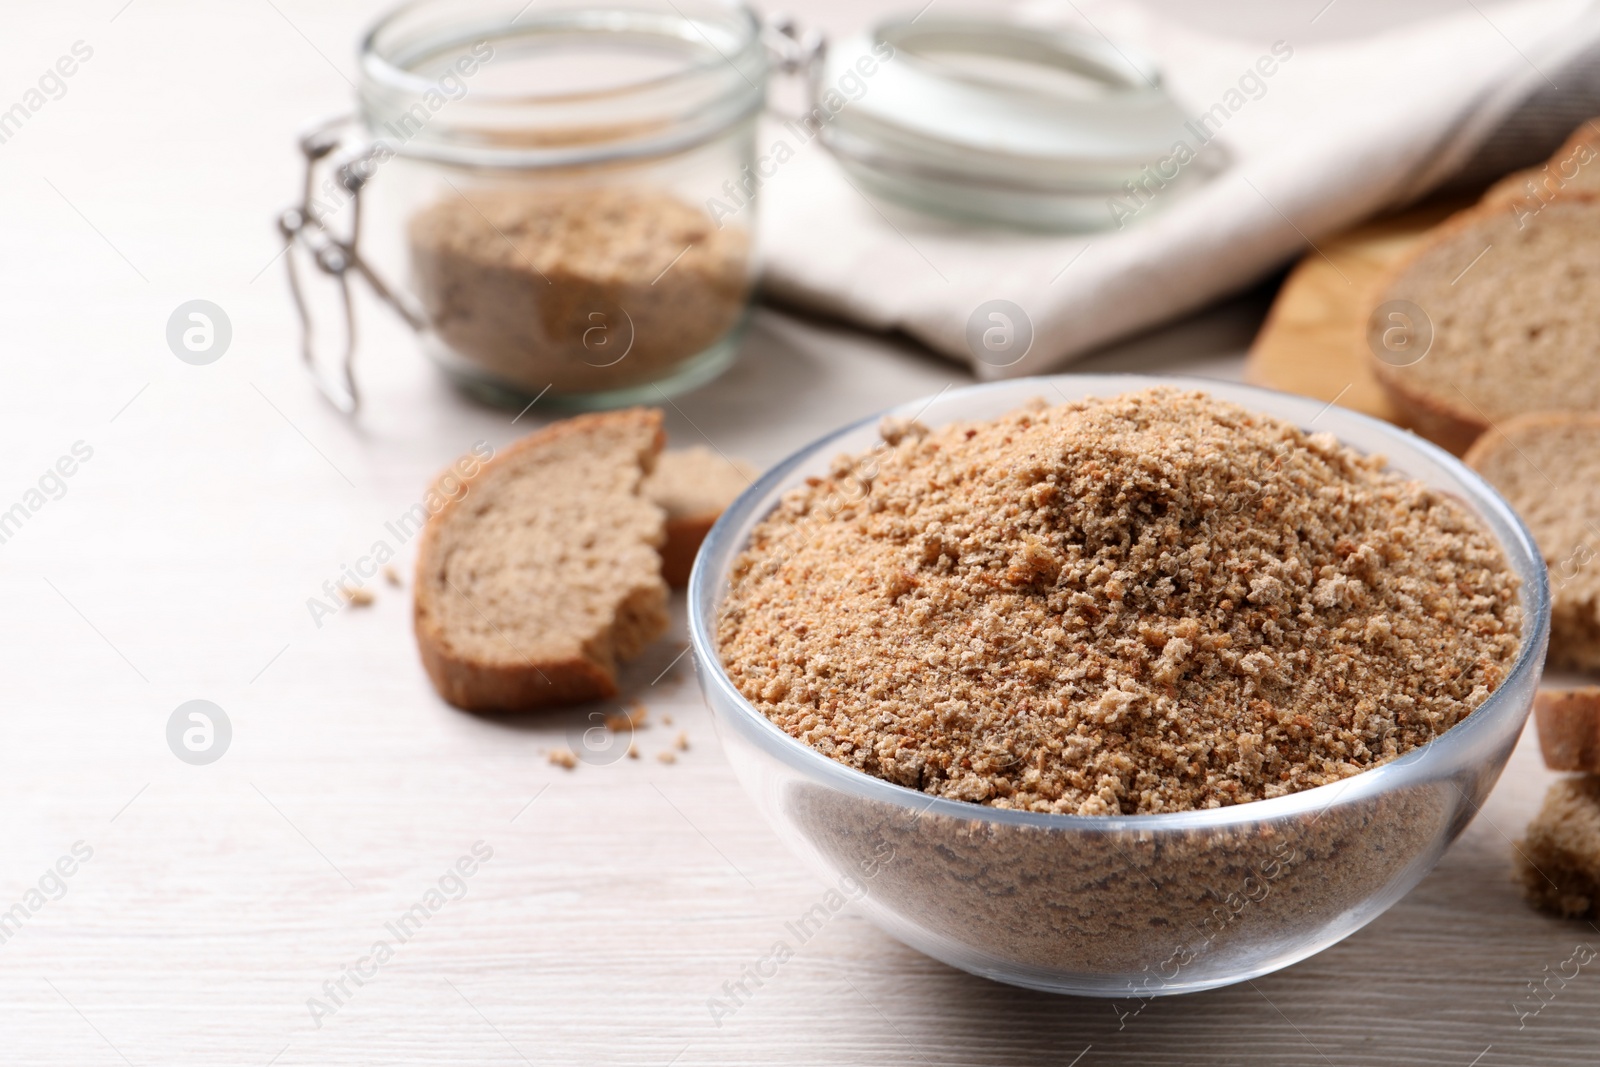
220, 900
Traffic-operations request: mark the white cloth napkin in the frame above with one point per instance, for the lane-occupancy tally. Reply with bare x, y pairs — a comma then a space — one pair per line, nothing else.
1339, 131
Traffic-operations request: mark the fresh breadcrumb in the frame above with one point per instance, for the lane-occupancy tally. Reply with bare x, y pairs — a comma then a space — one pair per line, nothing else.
517, 282
1154, 602
1519, 458
357, 595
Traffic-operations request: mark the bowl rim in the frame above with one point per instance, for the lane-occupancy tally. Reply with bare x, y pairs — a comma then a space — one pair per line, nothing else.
1522, 556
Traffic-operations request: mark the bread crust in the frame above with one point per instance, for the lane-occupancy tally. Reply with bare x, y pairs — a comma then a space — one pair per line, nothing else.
694, 486
1447, 426
684, 536
1454, 426
473, 685
1569, 728
1487, 444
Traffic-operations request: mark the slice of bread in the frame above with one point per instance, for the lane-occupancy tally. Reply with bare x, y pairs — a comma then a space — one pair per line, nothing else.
1569, 728
1558, 862
693, 486
1514, 309
1571, 168
1548, 467
542, 575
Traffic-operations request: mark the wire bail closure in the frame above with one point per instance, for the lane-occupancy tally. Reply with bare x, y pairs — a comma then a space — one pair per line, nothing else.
794, 51
303, 227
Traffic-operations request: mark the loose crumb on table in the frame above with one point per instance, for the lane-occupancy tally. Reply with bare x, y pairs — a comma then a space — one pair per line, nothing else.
358, 596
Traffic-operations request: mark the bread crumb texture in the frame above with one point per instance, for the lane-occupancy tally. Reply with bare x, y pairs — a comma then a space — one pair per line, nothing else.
542, 574
1153, 602
1548, 466
693, 486
1559, 860
697, 483
582, 289
1511, 300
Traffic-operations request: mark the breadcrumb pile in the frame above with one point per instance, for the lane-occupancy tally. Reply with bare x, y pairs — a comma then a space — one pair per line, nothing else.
1153, 602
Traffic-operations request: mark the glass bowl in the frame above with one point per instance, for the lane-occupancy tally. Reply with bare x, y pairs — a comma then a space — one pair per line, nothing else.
1124, 906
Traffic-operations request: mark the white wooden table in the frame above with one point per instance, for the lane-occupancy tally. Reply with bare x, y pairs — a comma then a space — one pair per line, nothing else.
220, 900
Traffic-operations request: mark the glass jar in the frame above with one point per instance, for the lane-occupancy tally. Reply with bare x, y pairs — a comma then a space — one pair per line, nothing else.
552, 184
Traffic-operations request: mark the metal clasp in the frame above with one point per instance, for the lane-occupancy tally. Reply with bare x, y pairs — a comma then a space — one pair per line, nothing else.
794, 51
304, 228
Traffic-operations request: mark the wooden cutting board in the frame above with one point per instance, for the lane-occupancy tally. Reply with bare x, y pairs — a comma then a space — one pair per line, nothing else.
1314, 339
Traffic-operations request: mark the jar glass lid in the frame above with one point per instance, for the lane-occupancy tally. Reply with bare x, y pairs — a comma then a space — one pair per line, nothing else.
995, 121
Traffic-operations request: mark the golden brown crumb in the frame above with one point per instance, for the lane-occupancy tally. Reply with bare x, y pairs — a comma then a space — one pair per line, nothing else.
666, 720
359, 596
391, 575
563, 757
666, 757
626, 719
633, 751
682, 742
1153, 602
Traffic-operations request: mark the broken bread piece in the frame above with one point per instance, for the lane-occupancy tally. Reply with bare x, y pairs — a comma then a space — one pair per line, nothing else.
1513, 308
1521, 458
1569, 728
693, 486
1558, 862
543, 574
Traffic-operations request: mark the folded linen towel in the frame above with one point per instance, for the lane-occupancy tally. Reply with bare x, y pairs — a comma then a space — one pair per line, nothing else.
1336, 133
